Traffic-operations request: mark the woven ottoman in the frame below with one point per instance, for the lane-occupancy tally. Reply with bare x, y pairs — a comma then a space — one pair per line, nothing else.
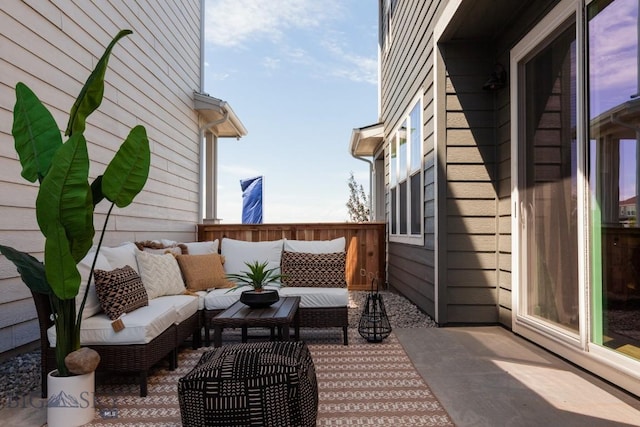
251, 384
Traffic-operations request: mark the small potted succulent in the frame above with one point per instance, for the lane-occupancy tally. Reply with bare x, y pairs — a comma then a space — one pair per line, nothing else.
257, 278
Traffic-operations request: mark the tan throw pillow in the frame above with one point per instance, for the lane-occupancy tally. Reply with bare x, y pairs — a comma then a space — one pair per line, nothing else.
202, 272
160, 274
314, 270
119, 291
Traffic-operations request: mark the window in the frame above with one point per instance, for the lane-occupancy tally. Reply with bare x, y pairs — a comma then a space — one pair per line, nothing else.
405, 178
385, 22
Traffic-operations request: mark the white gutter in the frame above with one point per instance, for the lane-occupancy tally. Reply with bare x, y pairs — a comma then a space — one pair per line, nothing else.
202, 22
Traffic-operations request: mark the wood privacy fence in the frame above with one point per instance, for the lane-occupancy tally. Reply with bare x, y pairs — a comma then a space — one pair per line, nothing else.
365, 242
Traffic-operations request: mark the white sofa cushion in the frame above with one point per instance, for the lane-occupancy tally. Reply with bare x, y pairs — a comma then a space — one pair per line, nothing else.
203, 248
160, 274
119, 256
220, 299
92, 305
238, 252
315, 246
185, 305
141, 326
201, 297
318, 297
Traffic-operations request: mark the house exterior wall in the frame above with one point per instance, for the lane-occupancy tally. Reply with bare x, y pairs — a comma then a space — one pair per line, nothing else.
562, 276
152, 74
462, 273
468, 213
406, 66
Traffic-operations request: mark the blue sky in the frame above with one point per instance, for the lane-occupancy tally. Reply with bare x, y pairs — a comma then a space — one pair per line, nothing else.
300, 75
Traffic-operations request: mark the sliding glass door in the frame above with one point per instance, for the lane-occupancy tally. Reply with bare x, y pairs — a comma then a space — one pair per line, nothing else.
614, 135
575, 117
547, 182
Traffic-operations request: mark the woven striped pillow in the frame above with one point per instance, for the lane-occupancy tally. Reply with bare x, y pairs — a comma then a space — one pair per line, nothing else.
304, 269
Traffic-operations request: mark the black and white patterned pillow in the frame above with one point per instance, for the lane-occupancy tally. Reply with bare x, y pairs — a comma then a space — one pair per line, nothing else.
305, 269
120, 291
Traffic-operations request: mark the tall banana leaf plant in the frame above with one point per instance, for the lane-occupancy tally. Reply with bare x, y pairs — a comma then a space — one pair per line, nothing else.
66, 201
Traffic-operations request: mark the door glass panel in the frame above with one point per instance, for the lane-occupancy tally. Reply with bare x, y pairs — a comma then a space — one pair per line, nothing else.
614, 132
548, 177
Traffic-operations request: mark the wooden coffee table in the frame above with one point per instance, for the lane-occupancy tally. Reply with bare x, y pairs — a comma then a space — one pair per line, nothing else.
279, 315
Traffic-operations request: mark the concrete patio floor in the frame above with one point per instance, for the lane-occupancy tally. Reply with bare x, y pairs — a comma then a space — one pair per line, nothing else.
488, 376
483, 376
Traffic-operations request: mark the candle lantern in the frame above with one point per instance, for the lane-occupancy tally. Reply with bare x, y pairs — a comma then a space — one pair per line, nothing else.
374, 323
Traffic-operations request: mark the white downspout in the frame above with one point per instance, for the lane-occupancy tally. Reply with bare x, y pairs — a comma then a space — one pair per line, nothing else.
202, 22
370, 182
203, 165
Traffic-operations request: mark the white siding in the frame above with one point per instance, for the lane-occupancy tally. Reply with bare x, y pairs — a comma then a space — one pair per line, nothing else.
52, 47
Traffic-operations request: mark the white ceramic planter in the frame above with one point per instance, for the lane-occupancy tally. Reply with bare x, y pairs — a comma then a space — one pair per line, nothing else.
70, 400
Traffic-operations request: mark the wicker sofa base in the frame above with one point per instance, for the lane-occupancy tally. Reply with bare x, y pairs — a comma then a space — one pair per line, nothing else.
320, 317
137, 358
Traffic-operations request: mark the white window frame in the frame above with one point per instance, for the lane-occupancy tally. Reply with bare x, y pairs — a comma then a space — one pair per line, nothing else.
522, 322
394, 137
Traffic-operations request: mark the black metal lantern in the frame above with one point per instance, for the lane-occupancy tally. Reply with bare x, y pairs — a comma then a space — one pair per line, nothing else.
374, 324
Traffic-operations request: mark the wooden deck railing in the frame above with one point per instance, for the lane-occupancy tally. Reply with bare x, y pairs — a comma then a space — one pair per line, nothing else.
365, 242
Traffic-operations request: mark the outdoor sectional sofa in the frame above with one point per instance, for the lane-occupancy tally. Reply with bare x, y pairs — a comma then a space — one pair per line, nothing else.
185, 286
153, 329
314, 270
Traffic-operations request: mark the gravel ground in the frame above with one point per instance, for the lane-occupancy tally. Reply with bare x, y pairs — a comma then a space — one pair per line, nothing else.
21, 374
401, 312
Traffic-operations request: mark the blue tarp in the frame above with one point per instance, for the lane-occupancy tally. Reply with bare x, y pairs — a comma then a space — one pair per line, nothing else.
251, 200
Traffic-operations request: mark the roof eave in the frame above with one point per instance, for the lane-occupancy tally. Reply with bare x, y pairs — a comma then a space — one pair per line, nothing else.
218, 116
366, 141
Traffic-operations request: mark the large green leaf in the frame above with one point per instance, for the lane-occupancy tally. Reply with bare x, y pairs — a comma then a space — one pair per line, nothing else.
60, 266
90, 96
31, 270
65, 197
35, 133
127, 172
96, 190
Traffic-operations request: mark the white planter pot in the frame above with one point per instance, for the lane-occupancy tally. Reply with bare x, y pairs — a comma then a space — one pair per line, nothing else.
70, 400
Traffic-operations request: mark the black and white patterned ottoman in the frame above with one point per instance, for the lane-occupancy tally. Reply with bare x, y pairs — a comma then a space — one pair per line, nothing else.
251, 384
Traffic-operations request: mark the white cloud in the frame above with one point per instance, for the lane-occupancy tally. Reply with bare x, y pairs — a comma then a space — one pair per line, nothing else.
351, 66
271, 63
613, 37
234, 22
237, 23
219, 76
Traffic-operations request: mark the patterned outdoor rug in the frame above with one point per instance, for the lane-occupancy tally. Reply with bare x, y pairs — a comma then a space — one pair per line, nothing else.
359, 384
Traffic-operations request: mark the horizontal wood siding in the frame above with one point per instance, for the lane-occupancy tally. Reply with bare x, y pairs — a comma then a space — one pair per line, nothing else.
503, 119
365, 242
406, 71
473, 168
52, 47
469, 261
